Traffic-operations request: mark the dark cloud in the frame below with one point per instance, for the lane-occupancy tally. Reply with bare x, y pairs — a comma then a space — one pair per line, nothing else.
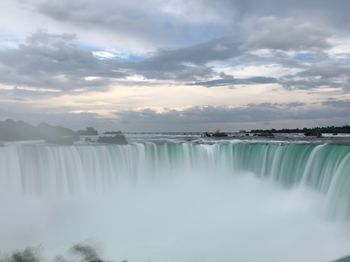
188, 63
319, 75
231, 81
25, 94
54, 61
272, 24
337, 103
251, 113
323, 12
72, 120
151, 22
288, 34
194, 118
220, 49
163, 19
326, 71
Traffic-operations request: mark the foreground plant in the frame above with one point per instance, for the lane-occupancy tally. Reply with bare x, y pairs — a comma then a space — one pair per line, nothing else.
82, 252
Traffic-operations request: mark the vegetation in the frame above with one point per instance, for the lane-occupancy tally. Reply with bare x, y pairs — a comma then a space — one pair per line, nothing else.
315, 131
26, 255
79, 252
11, 130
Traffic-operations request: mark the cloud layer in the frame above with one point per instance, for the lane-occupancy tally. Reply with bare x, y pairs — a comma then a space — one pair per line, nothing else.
81, 48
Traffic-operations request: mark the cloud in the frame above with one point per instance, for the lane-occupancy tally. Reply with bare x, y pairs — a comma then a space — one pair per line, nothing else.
319, 75
337, 103
197, 118
188, 63
322, 12
288, 34
54, 61
222, 114
154, 23
227, 80
72, 120
177, 23
103, 45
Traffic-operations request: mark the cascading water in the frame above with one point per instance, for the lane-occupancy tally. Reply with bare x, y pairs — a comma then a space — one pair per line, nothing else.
62, 169
51, 172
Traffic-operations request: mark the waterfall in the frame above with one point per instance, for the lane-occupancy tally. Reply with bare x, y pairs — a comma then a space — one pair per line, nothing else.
48, 169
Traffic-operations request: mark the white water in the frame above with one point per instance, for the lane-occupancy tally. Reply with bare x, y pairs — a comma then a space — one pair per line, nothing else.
183, 203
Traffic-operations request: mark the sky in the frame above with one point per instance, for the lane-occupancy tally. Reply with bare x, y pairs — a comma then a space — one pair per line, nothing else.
175, 65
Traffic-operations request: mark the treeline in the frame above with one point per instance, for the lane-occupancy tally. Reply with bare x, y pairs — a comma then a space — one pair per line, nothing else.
11, 130
328, 129
79, 252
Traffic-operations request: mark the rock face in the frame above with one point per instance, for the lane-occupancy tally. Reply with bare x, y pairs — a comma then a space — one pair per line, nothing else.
217, 133
113, 133
89, 131
315, 133
118, 138
265, 134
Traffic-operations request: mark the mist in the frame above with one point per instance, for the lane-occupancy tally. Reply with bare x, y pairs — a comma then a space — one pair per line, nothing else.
197, 219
